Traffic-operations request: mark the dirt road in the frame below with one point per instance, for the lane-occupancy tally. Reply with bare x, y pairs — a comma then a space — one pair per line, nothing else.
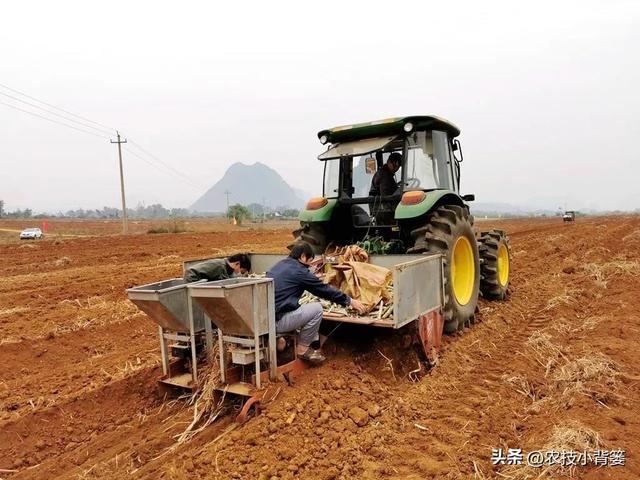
555, 367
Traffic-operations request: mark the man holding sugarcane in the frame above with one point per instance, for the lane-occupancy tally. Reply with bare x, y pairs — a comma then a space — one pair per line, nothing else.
291, 277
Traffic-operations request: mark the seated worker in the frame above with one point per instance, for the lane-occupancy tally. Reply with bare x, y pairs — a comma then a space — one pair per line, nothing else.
384, 183
291, 277
219, 268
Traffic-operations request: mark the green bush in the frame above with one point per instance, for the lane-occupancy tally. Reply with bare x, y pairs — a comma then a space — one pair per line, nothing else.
177, 227
158, 230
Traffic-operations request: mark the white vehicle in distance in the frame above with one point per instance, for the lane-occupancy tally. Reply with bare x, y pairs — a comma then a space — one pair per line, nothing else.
30, 234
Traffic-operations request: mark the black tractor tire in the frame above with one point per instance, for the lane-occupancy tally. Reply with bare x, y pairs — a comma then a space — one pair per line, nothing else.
472, 219
443, 230
495, 264
314, 234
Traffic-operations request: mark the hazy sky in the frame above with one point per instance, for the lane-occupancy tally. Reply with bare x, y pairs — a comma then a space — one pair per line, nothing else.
546, 93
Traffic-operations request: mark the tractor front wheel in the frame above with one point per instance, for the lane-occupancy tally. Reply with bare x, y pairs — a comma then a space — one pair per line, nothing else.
448, 231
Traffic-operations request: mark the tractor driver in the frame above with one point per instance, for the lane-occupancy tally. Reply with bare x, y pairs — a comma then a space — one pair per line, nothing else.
291, 277
383, 184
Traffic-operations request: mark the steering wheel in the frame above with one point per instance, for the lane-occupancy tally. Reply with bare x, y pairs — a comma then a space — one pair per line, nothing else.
412, 182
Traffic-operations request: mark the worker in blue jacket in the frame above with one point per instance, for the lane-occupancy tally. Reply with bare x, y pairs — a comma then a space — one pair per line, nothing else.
291, 277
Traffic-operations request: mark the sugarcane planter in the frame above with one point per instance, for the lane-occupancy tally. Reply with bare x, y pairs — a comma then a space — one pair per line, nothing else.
243, 312
416, 306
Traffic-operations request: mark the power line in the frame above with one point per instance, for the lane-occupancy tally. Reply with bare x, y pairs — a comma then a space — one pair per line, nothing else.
57, 108
168, 168
143, 159
56, 114
139, 147
52, 120
166, 165
157, 166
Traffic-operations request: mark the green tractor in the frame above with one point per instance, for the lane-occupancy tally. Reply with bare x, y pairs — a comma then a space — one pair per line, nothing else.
422, 212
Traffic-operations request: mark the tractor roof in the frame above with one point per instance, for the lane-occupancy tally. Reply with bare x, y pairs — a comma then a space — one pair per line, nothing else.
388, 126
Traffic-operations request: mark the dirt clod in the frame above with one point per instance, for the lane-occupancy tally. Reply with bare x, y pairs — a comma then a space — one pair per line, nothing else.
373, 410
359, 416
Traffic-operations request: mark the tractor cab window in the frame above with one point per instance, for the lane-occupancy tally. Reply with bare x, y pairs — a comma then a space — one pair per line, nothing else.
331, 178
428, 164
443, 160
350, 166
420, 169
364, 169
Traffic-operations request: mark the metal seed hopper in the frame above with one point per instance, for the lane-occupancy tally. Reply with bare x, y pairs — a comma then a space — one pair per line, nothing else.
180, 321
243, 309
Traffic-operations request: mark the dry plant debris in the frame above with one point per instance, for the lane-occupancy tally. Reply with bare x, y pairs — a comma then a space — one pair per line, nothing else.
207, 403
569, 436
545, 352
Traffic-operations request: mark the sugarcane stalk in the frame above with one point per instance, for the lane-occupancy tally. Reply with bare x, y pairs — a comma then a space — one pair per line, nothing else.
387, 311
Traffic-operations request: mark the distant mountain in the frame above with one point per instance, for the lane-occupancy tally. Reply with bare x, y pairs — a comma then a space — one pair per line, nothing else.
248, 184
302, 194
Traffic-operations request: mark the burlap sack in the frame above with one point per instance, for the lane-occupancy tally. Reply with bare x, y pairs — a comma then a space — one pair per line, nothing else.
362, 281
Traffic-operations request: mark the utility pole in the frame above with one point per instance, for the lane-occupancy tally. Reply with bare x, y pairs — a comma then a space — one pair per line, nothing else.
264, 210
227, 193
125, 227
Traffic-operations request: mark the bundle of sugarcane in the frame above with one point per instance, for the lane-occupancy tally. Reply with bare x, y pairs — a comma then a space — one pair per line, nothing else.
380, 311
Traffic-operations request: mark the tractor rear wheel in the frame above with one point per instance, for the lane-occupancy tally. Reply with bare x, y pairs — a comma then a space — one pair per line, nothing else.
314, 234
495, 269
448, 231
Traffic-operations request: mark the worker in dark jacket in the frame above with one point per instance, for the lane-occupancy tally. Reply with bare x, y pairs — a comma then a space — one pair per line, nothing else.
219, 268
291, 277
384, 182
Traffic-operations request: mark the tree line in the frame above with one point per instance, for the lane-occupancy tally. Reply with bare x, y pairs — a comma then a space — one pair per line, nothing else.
240, 212
141, 211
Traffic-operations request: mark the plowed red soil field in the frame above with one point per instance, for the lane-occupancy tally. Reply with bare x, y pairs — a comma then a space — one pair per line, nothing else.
553, 368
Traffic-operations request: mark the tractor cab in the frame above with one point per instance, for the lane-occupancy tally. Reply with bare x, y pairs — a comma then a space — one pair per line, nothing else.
372, 194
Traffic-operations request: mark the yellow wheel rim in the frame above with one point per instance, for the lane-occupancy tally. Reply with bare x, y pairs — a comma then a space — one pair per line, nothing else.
463, 272
503, 265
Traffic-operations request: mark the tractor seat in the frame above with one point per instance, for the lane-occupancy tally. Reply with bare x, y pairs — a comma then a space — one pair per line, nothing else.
360, 217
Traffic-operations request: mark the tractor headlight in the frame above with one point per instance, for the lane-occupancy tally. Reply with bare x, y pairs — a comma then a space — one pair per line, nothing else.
413, 197
316, 203
324, 139
408, 127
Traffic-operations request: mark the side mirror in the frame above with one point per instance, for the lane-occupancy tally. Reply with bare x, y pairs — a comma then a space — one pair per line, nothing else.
456, 147
469, 197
